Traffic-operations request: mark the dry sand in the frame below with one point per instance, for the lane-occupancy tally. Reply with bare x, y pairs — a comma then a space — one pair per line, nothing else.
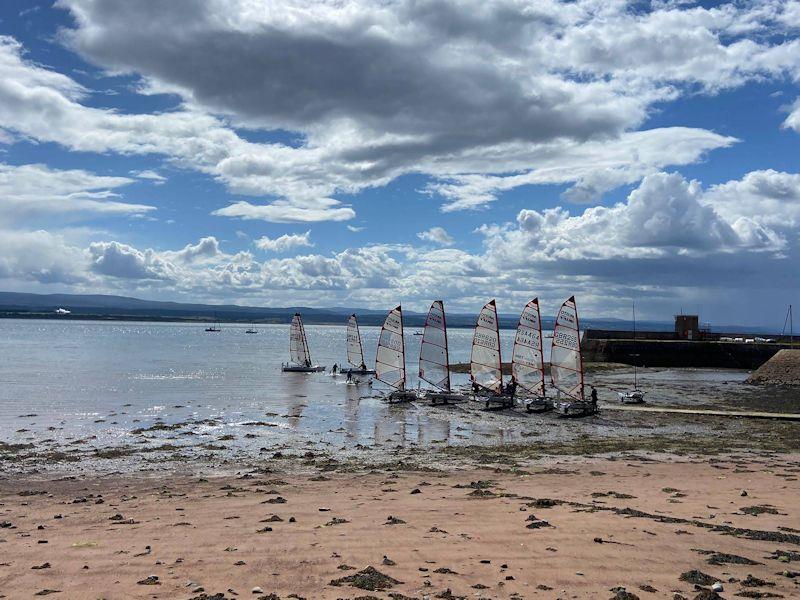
88, 539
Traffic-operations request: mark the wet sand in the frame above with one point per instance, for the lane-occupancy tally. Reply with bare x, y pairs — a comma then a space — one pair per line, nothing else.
552, 528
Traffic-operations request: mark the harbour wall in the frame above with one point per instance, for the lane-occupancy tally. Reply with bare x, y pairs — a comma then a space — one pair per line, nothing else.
662, 350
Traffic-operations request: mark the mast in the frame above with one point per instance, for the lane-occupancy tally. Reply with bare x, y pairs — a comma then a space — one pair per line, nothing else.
298, 344
527, 362
566, 361
390, 359
434, 363
485, 360
635, 377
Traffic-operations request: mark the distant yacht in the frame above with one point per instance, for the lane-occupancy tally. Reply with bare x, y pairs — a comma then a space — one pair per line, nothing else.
63, 311
251, 329
215, 327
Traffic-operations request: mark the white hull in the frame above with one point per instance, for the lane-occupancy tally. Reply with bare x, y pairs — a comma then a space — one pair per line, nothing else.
538, 404
499, 401
634, 397
302, 369
358, 371
575, 408
445, 397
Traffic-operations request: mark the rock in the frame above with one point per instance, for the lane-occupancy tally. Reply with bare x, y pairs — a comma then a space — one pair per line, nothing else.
708, 595
697, 577
743, 494
388, 561
257, 590
149, 580
622, 594
717, 587
369, 579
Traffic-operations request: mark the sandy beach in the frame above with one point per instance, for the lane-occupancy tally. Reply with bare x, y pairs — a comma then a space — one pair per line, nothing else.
659, 526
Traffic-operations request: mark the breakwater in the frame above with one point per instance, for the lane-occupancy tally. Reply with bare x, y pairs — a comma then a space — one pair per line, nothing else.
660, 349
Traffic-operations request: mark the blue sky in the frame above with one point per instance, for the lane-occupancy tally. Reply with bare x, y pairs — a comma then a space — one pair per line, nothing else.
364, 153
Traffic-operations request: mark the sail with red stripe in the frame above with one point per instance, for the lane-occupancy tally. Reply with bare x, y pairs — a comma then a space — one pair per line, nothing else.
434, 365
566, 361
527, 363
485, 360
390, 361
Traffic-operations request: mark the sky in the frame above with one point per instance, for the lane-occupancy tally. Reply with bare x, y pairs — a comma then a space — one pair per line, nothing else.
371, 152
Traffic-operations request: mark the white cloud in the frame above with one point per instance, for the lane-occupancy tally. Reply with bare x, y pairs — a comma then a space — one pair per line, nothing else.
205, 249
284, 212
769, 197
39, 256
354, 229
37, 190
284, 242
437, 235
793, 120
150, 175
126, 262
502, 92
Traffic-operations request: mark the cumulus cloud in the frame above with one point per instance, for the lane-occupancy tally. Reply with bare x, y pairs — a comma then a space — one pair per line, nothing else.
480, 97
437, 235
793, 120
285, 242
126, 262
37, 190
41, 257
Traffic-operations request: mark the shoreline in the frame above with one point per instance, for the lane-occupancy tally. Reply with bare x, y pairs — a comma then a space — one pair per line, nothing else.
565, 527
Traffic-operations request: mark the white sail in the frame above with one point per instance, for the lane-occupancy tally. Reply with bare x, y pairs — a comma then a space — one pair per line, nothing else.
355, 352
434, 366
298, 345
527, 364
566, 362
485, 365
390, 361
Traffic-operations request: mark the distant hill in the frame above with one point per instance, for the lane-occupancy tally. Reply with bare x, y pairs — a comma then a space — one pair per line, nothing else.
107, 307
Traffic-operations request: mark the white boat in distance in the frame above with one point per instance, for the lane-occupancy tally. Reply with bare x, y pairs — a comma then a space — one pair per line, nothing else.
527, 359
566, 362
390, 359
434, 358
299, 355
485, 364
634, 396
355, 351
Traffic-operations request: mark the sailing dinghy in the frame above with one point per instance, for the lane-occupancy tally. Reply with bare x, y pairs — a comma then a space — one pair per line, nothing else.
390, 360
634, 396
527, 360
485, 363
355, 351
299, 355
434, 359
566, 362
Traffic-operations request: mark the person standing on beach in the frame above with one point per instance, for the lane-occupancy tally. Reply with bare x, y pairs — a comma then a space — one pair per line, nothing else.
594, 399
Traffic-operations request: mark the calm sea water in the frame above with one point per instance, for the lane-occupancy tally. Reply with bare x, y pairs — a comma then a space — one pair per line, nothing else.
76, 380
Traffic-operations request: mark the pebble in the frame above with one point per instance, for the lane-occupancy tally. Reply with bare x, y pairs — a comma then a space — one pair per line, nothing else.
258, 590
717, 587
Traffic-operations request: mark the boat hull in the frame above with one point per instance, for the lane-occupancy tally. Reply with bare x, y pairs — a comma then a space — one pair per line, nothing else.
402, 396
358, 371
301, 369
634, 397
533, 405
445, 397
575, 408
498, 401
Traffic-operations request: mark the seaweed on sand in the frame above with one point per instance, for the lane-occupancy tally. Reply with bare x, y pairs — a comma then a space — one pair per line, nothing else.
369, 579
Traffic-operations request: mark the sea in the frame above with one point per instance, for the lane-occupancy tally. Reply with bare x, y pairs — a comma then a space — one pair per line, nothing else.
97, 382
